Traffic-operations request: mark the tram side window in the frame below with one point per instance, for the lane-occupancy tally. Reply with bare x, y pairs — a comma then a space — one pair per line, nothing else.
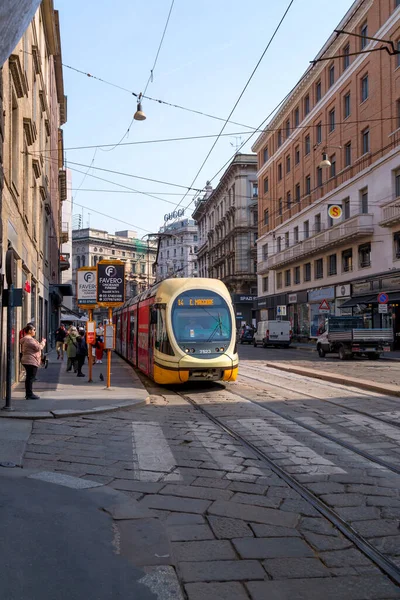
131, 331
162, 340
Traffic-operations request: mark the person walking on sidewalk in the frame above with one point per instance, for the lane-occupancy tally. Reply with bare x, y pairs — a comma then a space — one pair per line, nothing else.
81, 353
71, 347
99, 349
31, 351
61, 334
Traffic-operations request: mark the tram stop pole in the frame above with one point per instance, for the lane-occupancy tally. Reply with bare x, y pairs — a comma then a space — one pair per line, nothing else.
90, 352
109, 352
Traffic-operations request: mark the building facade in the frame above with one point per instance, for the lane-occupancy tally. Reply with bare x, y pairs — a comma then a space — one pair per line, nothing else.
34, 108
177, 248
227, 219
89, 246
66, 238
335, 141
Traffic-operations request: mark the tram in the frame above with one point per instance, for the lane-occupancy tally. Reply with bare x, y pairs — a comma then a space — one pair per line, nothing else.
180, 330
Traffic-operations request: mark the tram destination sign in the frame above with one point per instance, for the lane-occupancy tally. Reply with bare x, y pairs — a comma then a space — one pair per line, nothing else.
110, 283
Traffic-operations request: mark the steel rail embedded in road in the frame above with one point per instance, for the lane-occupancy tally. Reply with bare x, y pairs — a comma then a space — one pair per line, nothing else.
380, 560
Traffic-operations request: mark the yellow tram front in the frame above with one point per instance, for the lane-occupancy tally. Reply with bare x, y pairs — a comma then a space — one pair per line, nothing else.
199, 326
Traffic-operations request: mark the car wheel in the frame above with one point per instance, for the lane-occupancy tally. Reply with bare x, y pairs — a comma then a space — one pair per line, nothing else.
342, 353
321, 352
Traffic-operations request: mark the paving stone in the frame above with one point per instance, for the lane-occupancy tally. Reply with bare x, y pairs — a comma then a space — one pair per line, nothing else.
383, 501
137, 486
372, 490
377, 528
272, 547
265, 531
204, 493
391, 513
187, 533
248, 488
299, 506
326, 542
184, 519
318, 525
201, 472
175, 503
227, 529
388, 545
356, 479
241, 477
327, 487
221, 570
345, 588
295, 568
343, 558
359, 513
280, 492
144, 542
256, 500
203, 550
343, 499
214, 483
254, 514
216, 591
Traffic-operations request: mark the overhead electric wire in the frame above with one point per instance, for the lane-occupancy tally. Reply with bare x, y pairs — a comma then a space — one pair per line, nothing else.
159, 48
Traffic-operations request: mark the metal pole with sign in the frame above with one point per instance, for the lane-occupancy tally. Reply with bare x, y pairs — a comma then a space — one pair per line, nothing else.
9, 333
91, 339
86, 294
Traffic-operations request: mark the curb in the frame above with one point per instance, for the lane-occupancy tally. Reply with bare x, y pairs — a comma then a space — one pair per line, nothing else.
312, 349
59, 414
365, 384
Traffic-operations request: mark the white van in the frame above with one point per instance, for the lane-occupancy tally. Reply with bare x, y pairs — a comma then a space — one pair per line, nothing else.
273, 333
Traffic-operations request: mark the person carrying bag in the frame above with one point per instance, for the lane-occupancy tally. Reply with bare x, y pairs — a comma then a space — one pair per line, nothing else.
31, 354
71, 348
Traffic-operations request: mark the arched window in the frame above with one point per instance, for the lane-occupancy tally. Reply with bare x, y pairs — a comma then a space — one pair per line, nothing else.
78, 262
95, 259
83, 261
101, 258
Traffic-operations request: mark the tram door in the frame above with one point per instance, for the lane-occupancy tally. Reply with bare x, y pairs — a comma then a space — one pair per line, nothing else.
143, 337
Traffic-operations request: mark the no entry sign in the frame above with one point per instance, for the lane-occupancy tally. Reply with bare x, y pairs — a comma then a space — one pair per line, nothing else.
110, 283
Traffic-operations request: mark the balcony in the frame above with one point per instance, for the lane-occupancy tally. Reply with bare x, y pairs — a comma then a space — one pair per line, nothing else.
350, 230
262, 267
391, 213
64, 234
64, 261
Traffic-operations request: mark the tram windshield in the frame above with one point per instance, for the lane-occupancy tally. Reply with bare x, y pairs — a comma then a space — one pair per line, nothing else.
201, 316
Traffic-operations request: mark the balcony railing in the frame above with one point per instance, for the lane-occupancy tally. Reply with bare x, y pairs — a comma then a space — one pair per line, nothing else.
64, 262
64, 234
355, 228
391, 213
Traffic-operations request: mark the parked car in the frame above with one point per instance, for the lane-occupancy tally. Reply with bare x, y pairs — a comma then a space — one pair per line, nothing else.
273, 333
246, 336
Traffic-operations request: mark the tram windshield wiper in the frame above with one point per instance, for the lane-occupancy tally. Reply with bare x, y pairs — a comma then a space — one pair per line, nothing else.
218, 326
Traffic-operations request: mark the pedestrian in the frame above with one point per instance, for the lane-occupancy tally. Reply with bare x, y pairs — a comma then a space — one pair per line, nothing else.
61, 334
81, 353
31, 351
99, 349
71, 347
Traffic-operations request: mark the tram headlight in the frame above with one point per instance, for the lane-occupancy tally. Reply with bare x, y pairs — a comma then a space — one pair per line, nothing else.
216, 349
222, 349
187, 350
193, 350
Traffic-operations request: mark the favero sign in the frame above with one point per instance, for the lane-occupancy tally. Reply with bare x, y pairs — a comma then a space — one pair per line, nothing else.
110, 283
86, 287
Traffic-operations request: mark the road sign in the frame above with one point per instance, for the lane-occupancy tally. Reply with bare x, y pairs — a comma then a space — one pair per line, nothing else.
110, 283
335, 211
324, 307
383, 298
86, 287
382, 308
281, 311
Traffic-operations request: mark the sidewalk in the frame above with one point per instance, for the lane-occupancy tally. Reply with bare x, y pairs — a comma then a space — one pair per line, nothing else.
64, 394
311, 347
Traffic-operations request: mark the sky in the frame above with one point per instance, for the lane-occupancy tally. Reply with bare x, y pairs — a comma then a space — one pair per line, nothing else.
210, 49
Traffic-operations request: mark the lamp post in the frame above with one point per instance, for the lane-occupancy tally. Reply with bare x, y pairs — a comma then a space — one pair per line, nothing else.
325, 162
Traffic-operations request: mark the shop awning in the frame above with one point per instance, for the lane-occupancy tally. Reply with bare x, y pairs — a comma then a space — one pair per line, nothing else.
359, 300
394, 297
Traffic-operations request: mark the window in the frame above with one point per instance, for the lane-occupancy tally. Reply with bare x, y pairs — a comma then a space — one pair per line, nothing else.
254, 194
279, 138
174, 251
265, 252
112, 251
280, 207
318, 91
266, 185
365, 140
287, 127
307, 272
317, 223
143, 268
331, 75
297, 149
278, 244
306, 105
347, 154
396, 242
396, 3
78, 262
398, 112
397, 183
332, 120
319, 132
333, 166
364, 255
319, 268
364, 34
364, 88
288, 200
296, 275
306, 229
398, 55
14, 140
308, 185
288, 164
346, 57
346, 105
347, 260
297, 192
332, 264
266, 216
265, 154
346, 208
296, 235
364, 201
307, 145
319, 176
296, 117
279, 280
287, 240
280, 171
288, 281
265, 284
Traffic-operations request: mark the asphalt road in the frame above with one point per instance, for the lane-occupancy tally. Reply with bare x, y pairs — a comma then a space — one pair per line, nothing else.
56, 544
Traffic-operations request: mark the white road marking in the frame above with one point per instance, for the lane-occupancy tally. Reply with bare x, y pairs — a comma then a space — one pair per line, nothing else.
370, 425
220, 457
298, 453
152, 456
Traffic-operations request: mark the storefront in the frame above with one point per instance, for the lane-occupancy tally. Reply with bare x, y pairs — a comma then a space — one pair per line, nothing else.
298, 314
266, 307
316, 315
244, 311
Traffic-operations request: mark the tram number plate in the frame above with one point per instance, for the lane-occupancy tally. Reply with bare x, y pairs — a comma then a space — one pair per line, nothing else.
205, 351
